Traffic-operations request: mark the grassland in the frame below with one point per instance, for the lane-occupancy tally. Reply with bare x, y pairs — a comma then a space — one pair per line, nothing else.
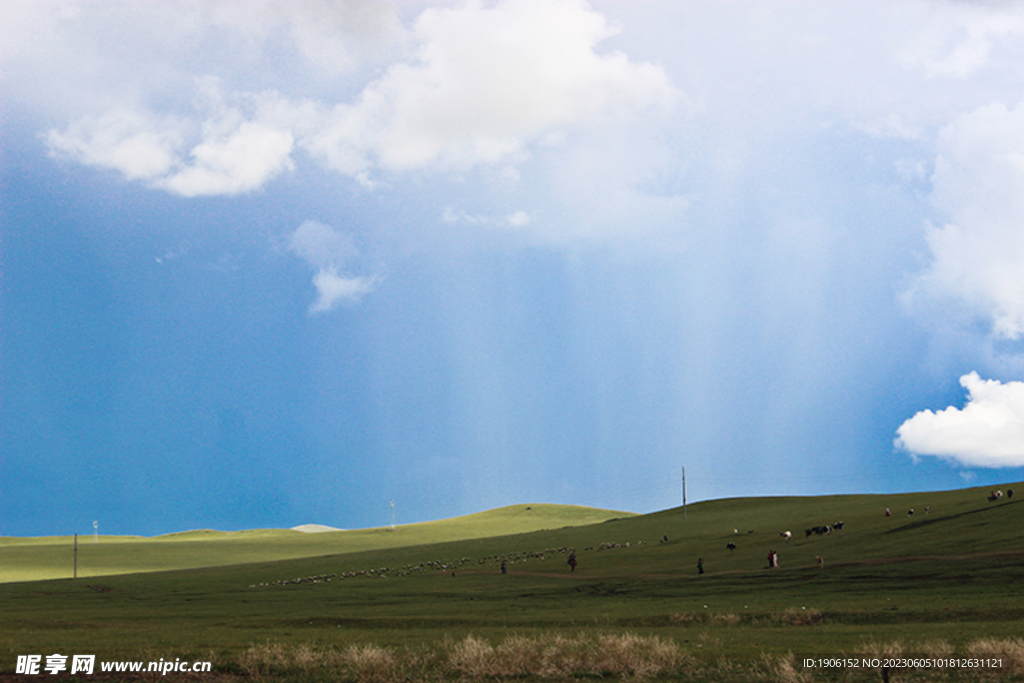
431, 602
34, 559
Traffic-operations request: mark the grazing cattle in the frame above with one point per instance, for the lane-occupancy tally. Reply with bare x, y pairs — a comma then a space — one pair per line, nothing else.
818, 530
786, 535
731, 546
995, 495
838, 525
910, 512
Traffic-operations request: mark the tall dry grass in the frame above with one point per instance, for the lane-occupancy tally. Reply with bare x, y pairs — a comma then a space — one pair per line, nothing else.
550, 656
559, 657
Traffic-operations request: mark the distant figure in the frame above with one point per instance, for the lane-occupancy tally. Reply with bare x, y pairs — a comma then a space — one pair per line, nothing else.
771, 558
1009, 493
700, 565
888, 512
910, 512
572, 562
664, 539
504, 567
927, 509
820, 562
731, 546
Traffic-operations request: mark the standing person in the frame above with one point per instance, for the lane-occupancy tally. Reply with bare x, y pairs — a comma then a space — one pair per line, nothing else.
771, 556
572, 561
888, 512
775, 559
700, 565
504, 567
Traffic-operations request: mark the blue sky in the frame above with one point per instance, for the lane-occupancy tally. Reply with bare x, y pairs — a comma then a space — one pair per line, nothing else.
265, 264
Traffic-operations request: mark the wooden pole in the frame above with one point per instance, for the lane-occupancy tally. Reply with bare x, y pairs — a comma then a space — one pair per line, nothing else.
76, 557
684, 493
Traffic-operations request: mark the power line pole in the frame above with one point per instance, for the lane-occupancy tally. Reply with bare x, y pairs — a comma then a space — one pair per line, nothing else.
392, 515
75, 575
684, 493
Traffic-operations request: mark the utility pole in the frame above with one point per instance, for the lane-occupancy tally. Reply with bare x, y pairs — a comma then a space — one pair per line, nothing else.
392, 514
75, 575
684, 493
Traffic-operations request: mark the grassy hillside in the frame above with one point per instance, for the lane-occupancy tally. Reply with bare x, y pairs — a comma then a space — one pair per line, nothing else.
33, 559
940, 579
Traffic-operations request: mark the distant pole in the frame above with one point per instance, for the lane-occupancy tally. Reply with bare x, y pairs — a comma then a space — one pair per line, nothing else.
392, 515
75, 575
684, 493
95, 532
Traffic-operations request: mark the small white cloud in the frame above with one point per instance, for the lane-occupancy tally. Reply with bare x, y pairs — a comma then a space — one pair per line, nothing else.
333, 289
322, 246
329, 251
519, 219
451, 215
987, 432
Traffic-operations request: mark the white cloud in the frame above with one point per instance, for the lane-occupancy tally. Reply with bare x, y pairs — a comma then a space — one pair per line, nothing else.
978, 257
481, 86
243, 142
125, 141
519, 219
333, 289
330, 251
958, 39
486, 82
987, 432
239, 162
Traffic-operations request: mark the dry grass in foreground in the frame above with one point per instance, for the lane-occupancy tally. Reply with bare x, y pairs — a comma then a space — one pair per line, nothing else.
556, 657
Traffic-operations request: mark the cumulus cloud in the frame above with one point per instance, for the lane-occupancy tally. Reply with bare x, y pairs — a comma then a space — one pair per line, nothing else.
243, 142
330, 252
485, 82
125, 141
481, 85
978, 256
987, 432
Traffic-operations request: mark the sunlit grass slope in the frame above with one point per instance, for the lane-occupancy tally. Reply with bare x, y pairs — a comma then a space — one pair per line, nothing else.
32, 559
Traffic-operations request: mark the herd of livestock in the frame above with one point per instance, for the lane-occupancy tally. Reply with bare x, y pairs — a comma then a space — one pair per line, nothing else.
520, 557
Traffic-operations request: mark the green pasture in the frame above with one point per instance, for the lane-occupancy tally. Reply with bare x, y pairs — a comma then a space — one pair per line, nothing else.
32, 559
941, 579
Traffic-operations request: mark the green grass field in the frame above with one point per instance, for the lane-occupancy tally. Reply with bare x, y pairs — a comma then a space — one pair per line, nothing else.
429, 601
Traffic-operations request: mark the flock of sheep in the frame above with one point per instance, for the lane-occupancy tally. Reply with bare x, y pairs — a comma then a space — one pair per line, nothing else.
440, 565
